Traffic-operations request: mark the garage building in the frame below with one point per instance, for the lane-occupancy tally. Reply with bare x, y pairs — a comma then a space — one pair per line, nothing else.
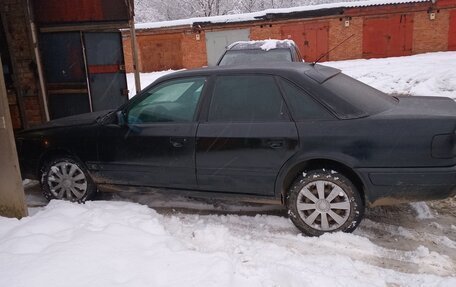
379, 29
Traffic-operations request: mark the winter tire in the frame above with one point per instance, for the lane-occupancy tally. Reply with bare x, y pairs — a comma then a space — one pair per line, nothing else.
322, 201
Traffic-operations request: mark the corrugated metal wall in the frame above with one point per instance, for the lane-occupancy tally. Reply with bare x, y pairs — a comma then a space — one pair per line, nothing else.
64, 11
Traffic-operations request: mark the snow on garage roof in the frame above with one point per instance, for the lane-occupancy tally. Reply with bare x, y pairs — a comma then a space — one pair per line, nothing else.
269, 13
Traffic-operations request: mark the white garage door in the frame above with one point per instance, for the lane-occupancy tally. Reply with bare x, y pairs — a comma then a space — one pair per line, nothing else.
216, 42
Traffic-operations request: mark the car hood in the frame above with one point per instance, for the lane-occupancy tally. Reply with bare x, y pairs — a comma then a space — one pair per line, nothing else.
423, 107
77, 120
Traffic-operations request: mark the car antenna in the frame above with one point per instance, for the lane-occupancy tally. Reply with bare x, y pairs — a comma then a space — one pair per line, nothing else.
327, 53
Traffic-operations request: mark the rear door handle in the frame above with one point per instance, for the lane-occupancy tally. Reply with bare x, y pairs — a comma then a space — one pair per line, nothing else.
177, 142
276, 144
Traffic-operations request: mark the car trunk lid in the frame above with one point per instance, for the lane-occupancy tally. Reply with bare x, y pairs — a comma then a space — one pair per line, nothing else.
423, 107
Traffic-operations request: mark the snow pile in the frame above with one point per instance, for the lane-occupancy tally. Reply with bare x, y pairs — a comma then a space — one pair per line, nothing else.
422, 210
272, 44
126, 244
430, 74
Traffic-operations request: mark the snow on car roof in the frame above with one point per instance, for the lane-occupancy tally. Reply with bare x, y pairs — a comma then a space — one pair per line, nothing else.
265, 45
261, 15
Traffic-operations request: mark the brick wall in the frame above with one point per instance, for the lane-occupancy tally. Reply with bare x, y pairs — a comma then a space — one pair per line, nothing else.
25, 98
266, 31
338, 32
128, 56
430, 35
14, 109
194, 51
159, 51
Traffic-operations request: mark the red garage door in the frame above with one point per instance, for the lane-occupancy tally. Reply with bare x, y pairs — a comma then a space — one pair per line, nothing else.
388, 36
311, 38
452, 32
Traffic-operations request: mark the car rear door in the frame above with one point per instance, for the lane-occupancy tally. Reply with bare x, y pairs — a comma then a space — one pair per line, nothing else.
246, 138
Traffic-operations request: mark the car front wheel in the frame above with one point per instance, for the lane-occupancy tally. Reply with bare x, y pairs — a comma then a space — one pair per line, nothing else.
67, 179
322, 201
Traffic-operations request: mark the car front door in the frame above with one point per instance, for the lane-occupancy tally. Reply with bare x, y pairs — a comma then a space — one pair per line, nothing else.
155, 147
247, 137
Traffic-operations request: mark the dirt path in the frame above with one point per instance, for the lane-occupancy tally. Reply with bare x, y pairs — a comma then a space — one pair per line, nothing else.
423, 230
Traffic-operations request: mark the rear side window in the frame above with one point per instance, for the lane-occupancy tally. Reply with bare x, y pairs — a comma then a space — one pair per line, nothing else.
351, 92
247, 98
303, 106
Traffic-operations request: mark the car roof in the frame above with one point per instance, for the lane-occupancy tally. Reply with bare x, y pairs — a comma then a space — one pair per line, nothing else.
316, 72
263, 45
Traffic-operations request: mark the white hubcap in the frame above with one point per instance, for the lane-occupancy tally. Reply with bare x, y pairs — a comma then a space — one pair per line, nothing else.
323, 205
67, 181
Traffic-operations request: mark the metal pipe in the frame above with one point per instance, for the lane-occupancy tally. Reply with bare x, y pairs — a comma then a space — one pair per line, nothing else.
39, 64
86, 68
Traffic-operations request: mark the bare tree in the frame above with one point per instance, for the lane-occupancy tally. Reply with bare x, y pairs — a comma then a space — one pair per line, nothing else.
249, 5
161, 10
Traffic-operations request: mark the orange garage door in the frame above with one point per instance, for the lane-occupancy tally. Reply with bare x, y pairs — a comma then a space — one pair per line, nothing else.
388, 36
452, 32
311, 38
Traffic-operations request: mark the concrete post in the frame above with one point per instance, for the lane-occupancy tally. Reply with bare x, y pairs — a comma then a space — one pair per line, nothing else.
12, 197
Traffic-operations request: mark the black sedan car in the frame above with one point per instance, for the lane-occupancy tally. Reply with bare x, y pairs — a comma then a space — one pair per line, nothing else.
306, 136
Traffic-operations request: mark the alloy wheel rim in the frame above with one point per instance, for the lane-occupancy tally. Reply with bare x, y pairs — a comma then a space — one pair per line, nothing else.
67, 181
323, 205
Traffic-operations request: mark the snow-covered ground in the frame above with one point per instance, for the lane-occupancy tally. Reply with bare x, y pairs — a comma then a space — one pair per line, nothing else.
127, 244
431, 74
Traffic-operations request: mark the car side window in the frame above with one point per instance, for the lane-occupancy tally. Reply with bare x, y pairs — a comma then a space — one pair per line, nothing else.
247, 98
302, 106
172, 101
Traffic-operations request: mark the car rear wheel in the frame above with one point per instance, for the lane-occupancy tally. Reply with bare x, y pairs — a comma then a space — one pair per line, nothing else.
67, 179
323, 201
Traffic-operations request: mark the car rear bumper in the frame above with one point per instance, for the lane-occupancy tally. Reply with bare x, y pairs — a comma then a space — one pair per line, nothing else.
395, 185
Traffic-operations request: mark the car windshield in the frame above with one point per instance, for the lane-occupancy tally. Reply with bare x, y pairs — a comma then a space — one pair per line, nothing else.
364, 98
238, 57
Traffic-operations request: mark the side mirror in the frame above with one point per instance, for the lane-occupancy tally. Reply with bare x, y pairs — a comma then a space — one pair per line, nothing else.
121, 119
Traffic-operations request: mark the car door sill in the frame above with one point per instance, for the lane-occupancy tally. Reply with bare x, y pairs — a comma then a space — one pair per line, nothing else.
191, 193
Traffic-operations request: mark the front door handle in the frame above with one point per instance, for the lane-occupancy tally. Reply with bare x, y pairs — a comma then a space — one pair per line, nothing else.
177, 142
